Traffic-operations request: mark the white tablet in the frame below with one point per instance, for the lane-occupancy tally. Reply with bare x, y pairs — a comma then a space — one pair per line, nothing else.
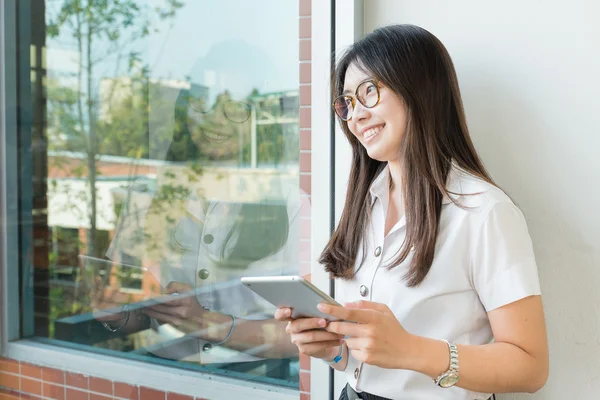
293, 292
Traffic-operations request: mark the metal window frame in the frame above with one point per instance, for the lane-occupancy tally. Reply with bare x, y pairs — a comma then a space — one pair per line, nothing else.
134, 372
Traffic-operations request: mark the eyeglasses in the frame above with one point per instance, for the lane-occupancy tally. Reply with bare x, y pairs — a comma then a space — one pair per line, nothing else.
235, 111
367, 94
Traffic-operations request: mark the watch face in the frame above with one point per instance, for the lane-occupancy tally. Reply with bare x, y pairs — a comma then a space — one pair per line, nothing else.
449, 380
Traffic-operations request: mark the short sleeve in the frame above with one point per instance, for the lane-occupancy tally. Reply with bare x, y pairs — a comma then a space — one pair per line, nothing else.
503, 267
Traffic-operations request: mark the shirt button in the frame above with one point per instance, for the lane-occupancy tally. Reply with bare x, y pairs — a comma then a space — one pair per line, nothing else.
207, 347
208, 239
356, 372
203, 274
377, 251
363, 290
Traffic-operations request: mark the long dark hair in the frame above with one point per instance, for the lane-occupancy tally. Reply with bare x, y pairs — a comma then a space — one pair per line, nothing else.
415, 65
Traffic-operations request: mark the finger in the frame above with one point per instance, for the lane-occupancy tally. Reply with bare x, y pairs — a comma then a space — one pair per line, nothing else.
177, 287
305, 324
358, 343
163, 318
368, 305
348, 329
362, 316
167, 310
315, 336
317, 347
283, 314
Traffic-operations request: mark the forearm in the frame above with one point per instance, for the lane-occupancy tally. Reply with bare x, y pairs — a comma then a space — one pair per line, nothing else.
491, 368
264, 338
134, 323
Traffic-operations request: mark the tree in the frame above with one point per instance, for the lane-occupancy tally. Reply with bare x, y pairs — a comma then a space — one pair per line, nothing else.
118, 23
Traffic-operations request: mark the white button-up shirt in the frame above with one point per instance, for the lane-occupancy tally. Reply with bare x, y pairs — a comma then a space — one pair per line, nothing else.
484, 259
191, 253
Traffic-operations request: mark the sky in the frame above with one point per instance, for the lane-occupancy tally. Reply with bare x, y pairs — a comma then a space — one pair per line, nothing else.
240, 44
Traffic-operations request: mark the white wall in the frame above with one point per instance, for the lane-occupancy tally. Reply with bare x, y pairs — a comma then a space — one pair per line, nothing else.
530, 77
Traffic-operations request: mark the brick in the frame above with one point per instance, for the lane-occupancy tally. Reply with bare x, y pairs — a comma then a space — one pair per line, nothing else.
9, 381
304, 51
305, 381
305, 73
151, 394
177, 396
305, 140
101, 385
305, 118
53, 375
75, 394
305, 228
305, 8
50, 391
31, 371
8, 365
304, 396
95, 396
304, 162
304, 28
304, 361
126, 391
77, 380
31, 386
305, 183
305, 93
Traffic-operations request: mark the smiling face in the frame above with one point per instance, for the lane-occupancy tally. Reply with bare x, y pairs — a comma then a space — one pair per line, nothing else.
379, 129
220, 129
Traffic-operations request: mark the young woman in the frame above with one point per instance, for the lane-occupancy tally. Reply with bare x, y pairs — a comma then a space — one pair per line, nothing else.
433, 261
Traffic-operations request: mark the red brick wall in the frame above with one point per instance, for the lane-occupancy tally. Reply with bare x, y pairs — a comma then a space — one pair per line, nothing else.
25, 381
305, 44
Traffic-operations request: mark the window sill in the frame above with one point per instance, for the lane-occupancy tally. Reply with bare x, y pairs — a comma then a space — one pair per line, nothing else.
143, 374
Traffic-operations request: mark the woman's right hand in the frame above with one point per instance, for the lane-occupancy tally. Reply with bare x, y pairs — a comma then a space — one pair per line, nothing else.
309, 335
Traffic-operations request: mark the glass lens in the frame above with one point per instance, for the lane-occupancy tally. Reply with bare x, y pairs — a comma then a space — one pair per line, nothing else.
343, 107
368, 94
236, 111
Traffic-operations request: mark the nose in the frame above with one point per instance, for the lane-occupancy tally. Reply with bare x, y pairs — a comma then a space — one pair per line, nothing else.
360, 112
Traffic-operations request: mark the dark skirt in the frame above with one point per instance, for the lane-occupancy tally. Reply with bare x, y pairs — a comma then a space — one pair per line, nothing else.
349, 394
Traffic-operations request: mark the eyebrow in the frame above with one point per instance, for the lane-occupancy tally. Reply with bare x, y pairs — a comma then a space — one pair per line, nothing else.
348, 91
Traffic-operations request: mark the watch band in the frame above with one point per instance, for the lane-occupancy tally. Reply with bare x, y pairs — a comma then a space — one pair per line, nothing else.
450, 377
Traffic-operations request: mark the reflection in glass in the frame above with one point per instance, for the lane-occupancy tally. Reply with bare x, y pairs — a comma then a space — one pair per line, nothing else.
165, 174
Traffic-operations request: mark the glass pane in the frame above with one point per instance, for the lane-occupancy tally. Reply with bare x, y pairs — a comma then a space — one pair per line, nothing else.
162, 140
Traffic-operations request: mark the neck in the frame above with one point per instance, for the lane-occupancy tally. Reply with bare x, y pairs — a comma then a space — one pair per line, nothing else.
395, 173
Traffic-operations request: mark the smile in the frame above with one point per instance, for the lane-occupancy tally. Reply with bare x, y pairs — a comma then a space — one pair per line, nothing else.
370, 133
215, 136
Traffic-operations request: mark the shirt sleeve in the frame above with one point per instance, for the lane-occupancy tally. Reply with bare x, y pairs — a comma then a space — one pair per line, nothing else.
503, 264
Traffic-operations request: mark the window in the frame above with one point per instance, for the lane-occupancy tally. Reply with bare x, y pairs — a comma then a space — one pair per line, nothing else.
159, 141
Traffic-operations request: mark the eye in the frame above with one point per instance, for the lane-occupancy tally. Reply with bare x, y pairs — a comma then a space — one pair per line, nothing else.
371, 88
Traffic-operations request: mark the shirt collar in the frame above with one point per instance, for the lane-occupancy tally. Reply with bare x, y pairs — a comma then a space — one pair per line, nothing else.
381, 185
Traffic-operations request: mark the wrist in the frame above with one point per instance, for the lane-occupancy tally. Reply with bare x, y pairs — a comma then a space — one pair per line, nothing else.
338, 353
427, 356
332, 353
219, 327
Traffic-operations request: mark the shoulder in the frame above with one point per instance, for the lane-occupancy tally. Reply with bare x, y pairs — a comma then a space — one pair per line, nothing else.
477, 198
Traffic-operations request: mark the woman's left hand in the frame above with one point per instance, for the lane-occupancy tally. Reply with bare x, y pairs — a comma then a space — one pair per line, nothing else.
374, 334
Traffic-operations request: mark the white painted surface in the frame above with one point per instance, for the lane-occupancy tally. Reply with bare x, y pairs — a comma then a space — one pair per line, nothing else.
321, 185
528, 72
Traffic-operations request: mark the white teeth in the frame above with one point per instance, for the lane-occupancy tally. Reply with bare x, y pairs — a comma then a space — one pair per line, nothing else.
372, 131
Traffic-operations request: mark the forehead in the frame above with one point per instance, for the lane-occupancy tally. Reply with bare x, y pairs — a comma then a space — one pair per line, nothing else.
354, 76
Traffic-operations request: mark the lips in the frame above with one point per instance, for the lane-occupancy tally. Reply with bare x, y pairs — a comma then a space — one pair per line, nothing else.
369, 133
215, 136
